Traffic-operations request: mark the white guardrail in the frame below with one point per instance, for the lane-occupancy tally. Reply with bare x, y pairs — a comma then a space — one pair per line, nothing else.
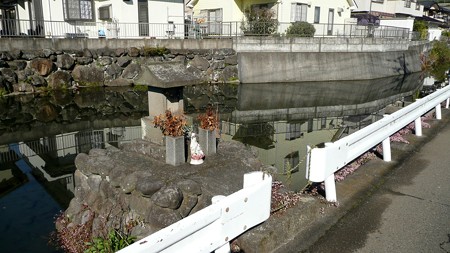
323, 162
212, 228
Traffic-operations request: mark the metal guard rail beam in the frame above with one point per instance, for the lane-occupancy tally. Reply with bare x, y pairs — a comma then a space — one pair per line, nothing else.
211, 228
323, 162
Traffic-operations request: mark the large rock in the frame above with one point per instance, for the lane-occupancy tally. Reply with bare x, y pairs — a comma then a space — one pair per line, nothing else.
147, 185
23, 87
199, 63
41, 66
131, 71
113, 71
37, 80
46, 112
59, 80
123, 61
9, 75
168, 197
18, 64
133, 52
88, 75
65, 61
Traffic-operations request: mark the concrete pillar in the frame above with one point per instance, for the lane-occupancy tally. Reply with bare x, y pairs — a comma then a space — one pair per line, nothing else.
386, 149
418, 126
438, 111
330, 188
160, 100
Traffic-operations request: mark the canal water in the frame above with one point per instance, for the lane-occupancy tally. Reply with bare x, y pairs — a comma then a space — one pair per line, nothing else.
40, 136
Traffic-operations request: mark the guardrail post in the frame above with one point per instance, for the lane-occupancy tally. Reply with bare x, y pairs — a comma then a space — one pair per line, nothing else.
386, 149
447, 103
438, 111
418, 126
330, 188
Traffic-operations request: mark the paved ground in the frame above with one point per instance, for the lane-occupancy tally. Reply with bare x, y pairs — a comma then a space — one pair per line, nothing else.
397, 206
409, 212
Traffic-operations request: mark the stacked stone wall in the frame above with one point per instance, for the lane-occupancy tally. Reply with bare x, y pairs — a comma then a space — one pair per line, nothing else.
31, 70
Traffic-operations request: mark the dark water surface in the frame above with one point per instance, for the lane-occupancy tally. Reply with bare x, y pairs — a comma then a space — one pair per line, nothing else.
40, 136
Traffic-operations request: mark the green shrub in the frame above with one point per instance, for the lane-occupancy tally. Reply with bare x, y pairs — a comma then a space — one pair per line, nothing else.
301, 29
440, 59
421, 27
155, 51
114, 242
259, 22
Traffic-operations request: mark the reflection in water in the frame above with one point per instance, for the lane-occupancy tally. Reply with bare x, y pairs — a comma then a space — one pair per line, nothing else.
280, 120
43, 135
40, 138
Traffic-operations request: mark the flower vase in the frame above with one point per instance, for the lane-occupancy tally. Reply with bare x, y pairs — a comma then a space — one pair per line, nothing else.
175, 150
207, 140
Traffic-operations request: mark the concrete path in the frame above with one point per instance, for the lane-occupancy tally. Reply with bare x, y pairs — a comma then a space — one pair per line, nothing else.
408, 212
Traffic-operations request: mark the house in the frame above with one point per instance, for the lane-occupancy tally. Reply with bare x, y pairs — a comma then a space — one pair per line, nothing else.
93, 18
435, 14
327, 16
390, 13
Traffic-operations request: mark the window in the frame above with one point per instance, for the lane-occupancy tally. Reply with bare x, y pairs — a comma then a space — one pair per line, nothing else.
293, 131
78, 10
408, 3
298, 12
104, 12
271, 7
317, 15
417, 6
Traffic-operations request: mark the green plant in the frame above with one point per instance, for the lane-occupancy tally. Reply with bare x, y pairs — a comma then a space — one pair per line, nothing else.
259, 22
155, 51
3, 92
421, 27
170, 125
115, 241
446, 34
440, 58
209, 120
140, 87
301, 29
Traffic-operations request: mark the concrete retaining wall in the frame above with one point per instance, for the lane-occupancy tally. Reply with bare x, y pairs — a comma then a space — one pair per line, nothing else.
261, 67
272, 59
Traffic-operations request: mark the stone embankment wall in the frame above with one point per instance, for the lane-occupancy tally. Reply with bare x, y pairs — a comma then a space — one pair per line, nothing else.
29, 70
132, 187
249, 59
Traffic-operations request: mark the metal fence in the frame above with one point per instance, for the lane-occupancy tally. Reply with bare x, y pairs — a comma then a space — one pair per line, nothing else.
72, 143
81, 29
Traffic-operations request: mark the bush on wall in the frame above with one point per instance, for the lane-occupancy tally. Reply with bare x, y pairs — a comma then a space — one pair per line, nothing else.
301, 29
259, 22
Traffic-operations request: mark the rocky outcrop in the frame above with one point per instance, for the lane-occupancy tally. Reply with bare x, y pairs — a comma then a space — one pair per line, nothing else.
143, 192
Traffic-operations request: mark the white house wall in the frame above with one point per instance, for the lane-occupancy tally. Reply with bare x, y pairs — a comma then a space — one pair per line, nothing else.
397, 22
389, 6
230, 9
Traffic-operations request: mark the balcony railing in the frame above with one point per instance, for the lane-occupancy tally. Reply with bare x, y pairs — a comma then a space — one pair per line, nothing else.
61, 29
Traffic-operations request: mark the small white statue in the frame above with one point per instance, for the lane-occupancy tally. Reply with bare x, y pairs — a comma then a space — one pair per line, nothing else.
197, 154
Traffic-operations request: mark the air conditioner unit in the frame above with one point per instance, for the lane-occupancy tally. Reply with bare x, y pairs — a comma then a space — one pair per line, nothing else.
340, 9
